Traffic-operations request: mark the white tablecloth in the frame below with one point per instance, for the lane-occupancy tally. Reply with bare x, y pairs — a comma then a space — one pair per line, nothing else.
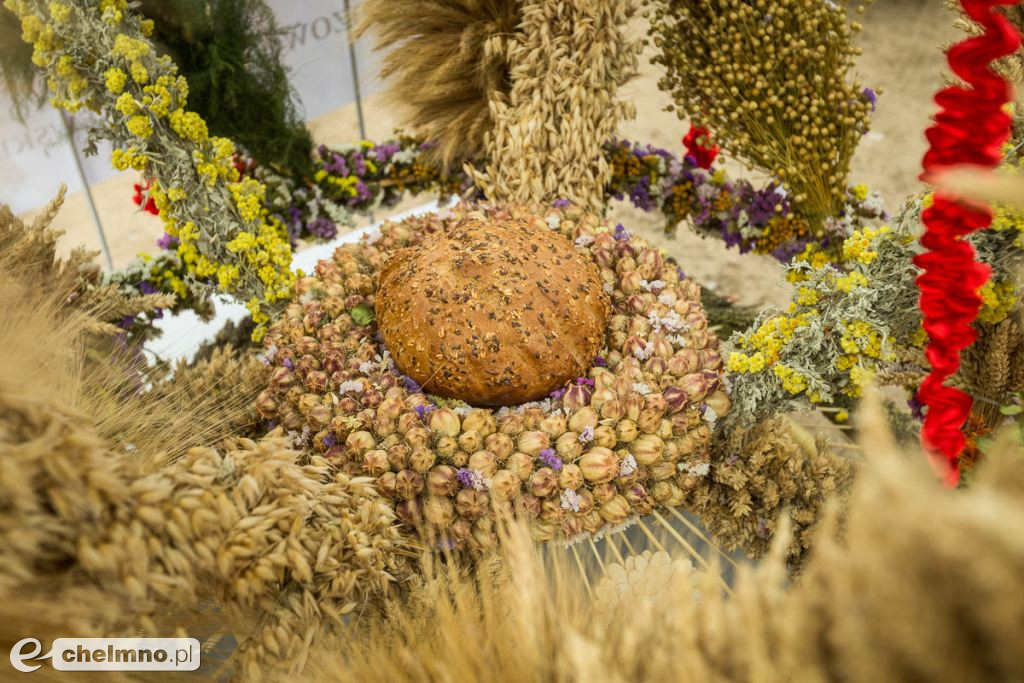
183, 334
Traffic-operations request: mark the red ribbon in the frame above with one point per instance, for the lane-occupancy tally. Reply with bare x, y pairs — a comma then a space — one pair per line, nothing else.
970, 128
703, 154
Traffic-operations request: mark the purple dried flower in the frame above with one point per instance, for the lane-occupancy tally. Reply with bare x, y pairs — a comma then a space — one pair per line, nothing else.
323, 228
167, 241
287, 362
557, 394
621, 233
916, 406
584, 381
358, 164
385, 151
641, 197
587, 435
127, 322
424, 410
329, 440
337, 165
548, 457
762, 205
600, 362
471, 479
785, 252
411, 385
362, 194
871, 97
561, 203
147, 287
734, 239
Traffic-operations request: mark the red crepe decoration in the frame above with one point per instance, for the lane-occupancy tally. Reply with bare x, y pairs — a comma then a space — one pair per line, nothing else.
704, 154
969, 129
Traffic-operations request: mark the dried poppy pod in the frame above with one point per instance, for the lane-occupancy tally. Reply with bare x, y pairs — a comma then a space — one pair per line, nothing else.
492, 312
629, 433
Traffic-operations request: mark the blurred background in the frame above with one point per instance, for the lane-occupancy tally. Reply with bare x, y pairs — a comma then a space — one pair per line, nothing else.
338, 89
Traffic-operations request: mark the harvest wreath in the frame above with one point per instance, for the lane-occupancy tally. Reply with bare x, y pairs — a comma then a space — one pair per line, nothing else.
633, 432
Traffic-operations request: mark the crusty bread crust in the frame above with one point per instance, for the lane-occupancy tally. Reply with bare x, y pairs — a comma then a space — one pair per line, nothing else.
492, 313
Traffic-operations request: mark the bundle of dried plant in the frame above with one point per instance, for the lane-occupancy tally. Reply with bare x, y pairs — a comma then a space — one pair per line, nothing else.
220, 392
992, 369
771, 81
762, 475
922, 585
567, 61
58, 320
724, 314
282, 545
279, 542
28, 251
446, 62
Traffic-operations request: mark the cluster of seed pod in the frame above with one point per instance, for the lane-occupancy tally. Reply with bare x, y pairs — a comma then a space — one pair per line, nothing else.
630, 436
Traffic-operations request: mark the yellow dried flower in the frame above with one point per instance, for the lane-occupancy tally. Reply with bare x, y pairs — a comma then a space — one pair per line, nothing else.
139, 126
126, 104
188, 125
115, 79
139, 73
59, 11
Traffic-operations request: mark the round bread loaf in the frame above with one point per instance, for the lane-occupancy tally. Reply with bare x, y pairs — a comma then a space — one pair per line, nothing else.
493, 313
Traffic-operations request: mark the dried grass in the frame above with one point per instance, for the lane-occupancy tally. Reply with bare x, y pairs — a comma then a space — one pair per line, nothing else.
764, 478
922, 585
446, 61
279, 543
529, 88
567, 61
57, 327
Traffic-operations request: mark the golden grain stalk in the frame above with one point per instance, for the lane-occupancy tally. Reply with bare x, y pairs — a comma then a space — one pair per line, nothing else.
446, 61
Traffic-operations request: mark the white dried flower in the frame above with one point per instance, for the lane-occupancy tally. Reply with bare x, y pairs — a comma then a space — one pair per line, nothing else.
701, 469
671, 321
641, 388
570, 500
267, 357
627, 466
297, 439
653, 286
404, 156
352, 385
